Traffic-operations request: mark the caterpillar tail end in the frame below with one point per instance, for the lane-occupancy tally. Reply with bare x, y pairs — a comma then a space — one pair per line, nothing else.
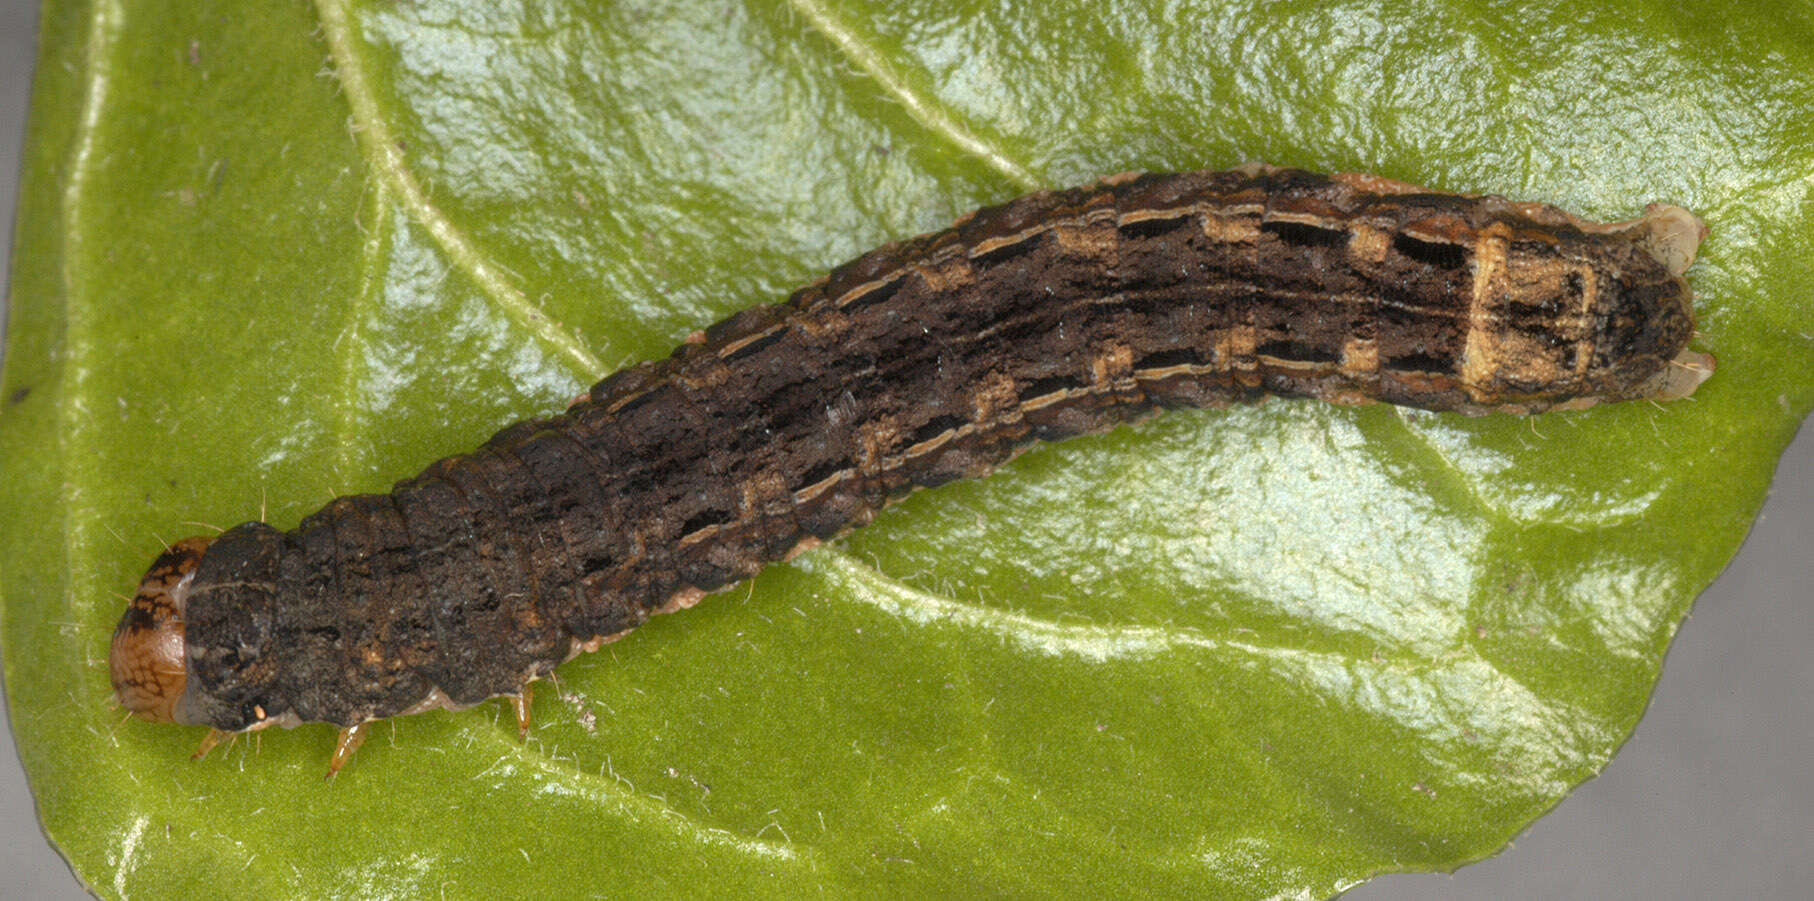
1684, 374
147, 659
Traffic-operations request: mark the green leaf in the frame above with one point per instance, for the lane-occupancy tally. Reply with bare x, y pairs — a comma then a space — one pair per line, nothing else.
271, 253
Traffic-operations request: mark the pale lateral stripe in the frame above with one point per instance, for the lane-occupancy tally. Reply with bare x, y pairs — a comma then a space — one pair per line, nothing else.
745, 341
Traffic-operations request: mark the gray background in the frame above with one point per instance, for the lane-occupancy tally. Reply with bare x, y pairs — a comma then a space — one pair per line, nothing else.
1712, 798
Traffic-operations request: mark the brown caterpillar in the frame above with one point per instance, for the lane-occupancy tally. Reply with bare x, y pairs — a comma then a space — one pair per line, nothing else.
941, 357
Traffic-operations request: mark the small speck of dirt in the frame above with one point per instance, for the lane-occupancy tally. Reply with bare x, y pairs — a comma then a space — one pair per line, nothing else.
19, 394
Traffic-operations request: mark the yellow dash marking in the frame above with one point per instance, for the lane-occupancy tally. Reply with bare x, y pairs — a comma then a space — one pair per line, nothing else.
952, 274
1231, 227
1360, 356
1368, 244
1243, 341
1086, 241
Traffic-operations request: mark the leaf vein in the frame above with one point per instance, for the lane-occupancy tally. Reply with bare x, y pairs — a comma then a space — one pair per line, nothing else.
385, 157
632, 804
74, 412
1098, 643
926, 110
1468, 481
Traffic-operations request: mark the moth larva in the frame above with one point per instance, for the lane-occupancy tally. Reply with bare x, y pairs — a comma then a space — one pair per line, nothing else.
936, 358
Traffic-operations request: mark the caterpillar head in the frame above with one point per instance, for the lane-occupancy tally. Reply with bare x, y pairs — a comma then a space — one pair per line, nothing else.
147, 660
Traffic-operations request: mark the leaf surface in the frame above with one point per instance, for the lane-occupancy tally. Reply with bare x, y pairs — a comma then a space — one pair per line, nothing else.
294, 251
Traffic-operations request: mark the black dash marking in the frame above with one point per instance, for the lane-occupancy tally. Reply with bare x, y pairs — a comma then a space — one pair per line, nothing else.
1009, 251
824, 471
1054, 384
1296, 351
706, 518
879, 294
1420, 363
1433, 253
936, 426
1165, 358
1301, 234
758, 345
1152, 228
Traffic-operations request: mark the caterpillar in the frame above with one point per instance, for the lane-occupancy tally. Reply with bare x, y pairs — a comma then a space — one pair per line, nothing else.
936, 358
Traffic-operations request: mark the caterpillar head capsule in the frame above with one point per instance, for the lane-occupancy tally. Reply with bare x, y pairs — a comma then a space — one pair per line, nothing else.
147, 660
